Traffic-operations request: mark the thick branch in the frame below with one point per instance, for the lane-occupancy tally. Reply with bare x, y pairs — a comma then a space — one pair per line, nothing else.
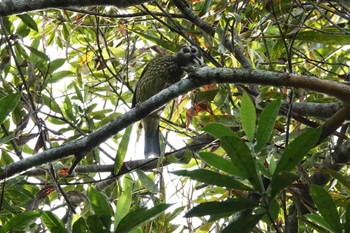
319, 110
10, 7
200, 77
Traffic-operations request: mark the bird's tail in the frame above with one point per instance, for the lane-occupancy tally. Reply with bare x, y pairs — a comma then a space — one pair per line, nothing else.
152, 146
151, 128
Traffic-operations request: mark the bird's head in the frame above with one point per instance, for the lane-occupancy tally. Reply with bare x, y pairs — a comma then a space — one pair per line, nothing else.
189, 56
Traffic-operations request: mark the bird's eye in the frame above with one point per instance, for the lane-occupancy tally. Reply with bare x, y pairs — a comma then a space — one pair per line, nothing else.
186, 50
193, 50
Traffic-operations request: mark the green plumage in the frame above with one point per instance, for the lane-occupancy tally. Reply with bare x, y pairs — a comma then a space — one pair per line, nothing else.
160, 73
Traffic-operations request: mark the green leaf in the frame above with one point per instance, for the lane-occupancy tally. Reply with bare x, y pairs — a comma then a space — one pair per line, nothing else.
100, 206
57, 76
53, 223
333, 37
318, 223
38, 53
28, 20
78, 92
243, 159
245, 223
266, 123
229, 206
248, 116
80, 226
168, 45
67, 105
280, 181
347, 218
123, 205
140, 216
344, 180
147, 182
297, 149
220, 163
205, 7
57, 63
7, 104
326, 207
20, 222
218, 130
95, 224
122, 149
213, 178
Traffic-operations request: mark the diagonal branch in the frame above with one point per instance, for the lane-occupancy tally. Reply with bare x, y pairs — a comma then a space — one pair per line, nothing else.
199, 77
10, 7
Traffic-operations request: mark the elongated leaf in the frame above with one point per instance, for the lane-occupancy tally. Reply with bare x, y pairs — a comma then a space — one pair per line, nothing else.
344, 180
7, 104
347, 218
123, 205
147, 182
205, 7
243, 159
333, 37
297, 149
266, 123
20, 222
229, 206
218, 130
100, 206
244, 224
122, 149
80, 226
220, 163
53, 223
326, 207
155, 39
140, 216
248, 116
280, 181
213, 178
28, 20
55, 64
38, 53
95, 224
318, 223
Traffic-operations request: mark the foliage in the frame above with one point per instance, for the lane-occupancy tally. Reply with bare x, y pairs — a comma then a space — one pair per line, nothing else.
64, 73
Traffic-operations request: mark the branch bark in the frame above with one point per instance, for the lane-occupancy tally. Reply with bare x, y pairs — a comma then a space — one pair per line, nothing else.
10, 7
200, 77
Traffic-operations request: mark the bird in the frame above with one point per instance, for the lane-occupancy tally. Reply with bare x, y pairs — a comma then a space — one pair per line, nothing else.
160, 73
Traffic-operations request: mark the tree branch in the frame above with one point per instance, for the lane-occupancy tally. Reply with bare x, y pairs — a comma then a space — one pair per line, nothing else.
199, 77
10, 7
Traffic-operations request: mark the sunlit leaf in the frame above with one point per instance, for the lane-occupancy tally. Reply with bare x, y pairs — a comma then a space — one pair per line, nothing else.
147, 182
28, 20
123, 205
100, 206
248, 116
122, 149
7, 104
220, 163
20, 222
53, 223
213, 178
139, 217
